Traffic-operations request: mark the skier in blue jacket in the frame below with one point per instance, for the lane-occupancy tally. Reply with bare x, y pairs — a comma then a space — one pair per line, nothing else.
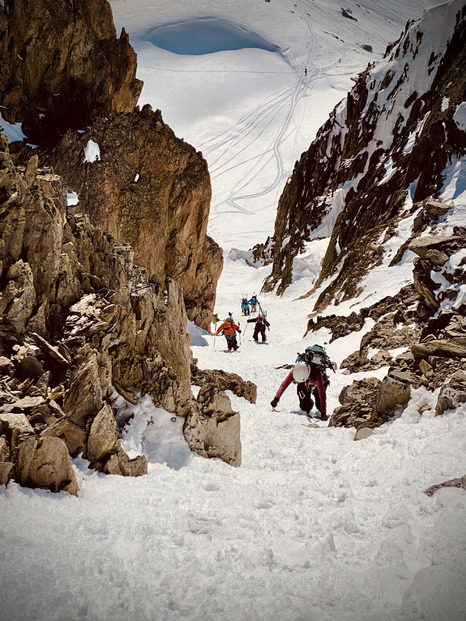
253, 302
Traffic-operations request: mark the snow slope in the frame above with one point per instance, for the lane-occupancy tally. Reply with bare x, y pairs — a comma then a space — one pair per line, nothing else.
312, 526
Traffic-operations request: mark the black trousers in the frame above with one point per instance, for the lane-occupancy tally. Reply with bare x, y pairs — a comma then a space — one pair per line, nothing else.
305, 394
231, 341
259, 329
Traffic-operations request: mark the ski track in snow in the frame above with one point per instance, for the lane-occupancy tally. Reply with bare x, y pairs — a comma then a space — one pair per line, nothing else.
312, 525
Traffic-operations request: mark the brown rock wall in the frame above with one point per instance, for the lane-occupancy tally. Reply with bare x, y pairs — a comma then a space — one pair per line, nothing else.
151, 190
94, 321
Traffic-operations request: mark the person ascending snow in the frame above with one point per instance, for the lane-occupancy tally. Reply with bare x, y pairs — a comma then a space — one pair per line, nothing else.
229, 330
311, 379
261, 324
245, 306
253, 302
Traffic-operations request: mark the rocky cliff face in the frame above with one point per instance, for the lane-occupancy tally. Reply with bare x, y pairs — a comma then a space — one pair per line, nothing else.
151, 190
95, 295
383, 148
61, 61
80, 323
375, 172
426, 322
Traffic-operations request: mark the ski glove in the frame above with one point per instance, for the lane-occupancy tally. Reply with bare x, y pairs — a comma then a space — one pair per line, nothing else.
274, 402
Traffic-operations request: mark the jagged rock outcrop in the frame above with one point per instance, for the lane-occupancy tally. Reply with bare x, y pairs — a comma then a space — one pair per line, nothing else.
95, 296
394, 134
62, 66
452, 394
80, 319
459, 482
151, 190
62, 60
224, 381
434, 339
370, 402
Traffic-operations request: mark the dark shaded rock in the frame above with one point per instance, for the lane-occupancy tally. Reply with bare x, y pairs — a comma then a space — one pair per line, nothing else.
61, 61
6, 366
347, 13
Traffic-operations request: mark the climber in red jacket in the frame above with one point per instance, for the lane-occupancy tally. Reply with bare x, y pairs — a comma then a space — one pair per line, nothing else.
310, 382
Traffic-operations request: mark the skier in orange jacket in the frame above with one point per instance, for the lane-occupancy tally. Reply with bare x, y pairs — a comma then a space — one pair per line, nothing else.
229, 330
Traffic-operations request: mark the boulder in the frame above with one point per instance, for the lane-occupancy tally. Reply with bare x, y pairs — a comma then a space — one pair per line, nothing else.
102, 439
449, 348
426, 247
84, 399
119, 463
360, 391
224, 381
452, 394
363, 432
4, 449
394, 393
213, 429
15, 428
18, 298
7, 472
73, 436
45, 463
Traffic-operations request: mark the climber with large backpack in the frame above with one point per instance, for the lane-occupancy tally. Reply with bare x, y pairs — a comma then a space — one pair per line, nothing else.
309, 373
229, 330
245, 306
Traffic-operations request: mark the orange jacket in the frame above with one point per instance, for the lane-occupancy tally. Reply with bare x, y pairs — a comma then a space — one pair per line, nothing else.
228, 328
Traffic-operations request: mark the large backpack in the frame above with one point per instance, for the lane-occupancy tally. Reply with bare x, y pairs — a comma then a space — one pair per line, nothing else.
315, 355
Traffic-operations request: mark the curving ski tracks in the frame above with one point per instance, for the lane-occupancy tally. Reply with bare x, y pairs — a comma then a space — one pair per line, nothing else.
227, 152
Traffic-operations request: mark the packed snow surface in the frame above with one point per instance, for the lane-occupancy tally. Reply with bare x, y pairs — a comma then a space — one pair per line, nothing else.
312, 525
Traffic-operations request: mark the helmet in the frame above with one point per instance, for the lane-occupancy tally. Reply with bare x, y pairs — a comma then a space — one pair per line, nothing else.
301, 372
